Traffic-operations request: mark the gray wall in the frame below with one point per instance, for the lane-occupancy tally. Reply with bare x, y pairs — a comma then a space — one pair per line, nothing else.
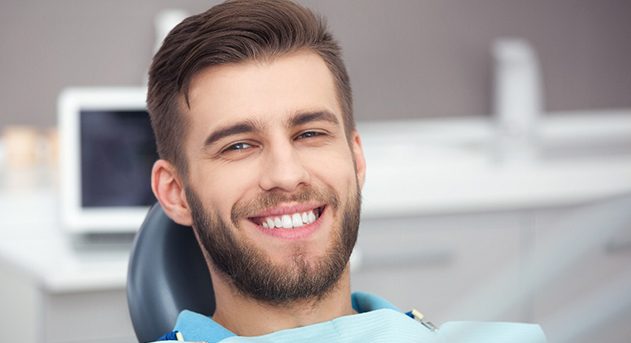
406, 58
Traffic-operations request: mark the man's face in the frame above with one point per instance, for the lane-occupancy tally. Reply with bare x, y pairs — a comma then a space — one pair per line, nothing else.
273, 183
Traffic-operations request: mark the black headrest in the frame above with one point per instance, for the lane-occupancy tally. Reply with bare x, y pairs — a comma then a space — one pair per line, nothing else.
167, 274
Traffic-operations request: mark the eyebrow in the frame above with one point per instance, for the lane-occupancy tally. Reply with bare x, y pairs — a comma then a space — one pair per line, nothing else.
234, 129
248, 126
307, 117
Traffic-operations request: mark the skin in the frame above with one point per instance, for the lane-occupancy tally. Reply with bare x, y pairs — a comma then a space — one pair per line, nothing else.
277, 156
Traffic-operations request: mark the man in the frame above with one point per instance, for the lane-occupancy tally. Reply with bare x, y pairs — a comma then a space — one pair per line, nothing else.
252, 110
251, 106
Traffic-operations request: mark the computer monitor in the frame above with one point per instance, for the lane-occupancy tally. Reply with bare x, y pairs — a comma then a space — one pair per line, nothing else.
107, 150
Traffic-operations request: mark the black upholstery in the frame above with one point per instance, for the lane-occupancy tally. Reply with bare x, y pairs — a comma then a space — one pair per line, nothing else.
166, 274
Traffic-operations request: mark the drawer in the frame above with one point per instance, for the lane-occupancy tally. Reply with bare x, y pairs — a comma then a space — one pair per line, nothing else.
94, 316
462, 267
581, 268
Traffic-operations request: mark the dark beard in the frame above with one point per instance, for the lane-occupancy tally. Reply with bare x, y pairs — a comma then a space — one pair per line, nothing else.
253, 274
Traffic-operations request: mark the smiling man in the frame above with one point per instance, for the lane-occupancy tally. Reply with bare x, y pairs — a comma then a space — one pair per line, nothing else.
251, 106
252, 111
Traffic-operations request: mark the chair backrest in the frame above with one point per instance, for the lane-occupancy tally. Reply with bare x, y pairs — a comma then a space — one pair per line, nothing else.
167, 274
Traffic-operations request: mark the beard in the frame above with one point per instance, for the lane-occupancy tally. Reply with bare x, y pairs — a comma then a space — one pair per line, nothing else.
253, 273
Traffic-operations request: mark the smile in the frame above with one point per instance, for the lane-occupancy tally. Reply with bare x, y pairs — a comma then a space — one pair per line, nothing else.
289, 220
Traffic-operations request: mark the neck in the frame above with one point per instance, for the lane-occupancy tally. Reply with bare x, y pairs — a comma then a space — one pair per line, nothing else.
247, 317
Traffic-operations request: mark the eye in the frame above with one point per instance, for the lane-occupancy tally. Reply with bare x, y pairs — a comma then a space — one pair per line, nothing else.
241, 146
309, 134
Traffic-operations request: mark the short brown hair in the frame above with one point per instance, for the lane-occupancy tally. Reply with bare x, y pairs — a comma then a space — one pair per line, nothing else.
232, 32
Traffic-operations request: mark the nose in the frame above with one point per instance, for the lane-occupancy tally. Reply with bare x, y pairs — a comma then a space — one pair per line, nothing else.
283, 169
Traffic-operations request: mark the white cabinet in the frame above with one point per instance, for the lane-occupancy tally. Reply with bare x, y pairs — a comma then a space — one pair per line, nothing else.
96, 316
53, 290
566, 268
31, 313
582, 272
448, 267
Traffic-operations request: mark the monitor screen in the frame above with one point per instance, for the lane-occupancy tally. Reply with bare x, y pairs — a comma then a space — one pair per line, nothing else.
117, 153
107, 150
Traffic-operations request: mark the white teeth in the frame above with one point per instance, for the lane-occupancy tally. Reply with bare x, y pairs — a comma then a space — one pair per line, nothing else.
296, 220
289, 221
270, 223
286, 221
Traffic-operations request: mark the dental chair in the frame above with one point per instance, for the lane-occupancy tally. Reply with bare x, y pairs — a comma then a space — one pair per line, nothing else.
167, 274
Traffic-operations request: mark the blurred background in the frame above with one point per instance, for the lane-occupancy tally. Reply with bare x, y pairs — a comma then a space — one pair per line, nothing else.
498, 139
407, 59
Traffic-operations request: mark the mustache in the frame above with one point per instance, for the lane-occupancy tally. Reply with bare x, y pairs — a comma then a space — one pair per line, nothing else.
274, 198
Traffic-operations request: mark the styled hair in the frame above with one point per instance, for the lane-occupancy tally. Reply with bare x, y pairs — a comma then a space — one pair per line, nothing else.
233, 32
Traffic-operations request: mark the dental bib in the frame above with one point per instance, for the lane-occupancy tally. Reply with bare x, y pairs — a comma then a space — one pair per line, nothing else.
377, 321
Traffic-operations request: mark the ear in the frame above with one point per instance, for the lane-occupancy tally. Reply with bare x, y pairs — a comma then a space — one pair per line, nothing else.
358, 154
169, 189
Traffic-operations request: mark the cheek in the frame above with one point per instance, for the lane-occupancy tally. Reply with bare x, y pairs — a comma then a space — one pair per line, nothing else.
337, 169
221, 188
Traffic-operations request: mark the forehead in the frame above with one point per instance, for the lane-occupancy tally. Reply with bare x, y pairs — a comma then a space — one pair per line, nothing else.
262, 90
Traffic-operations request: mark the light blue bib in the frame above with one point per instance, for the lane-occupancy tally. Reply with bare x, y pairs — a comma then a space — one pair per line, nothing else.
378, 321
386, 326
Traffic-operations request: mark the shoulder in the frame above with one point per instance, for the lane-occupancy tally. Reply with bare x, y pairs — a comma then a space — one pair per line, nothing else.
195, 327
